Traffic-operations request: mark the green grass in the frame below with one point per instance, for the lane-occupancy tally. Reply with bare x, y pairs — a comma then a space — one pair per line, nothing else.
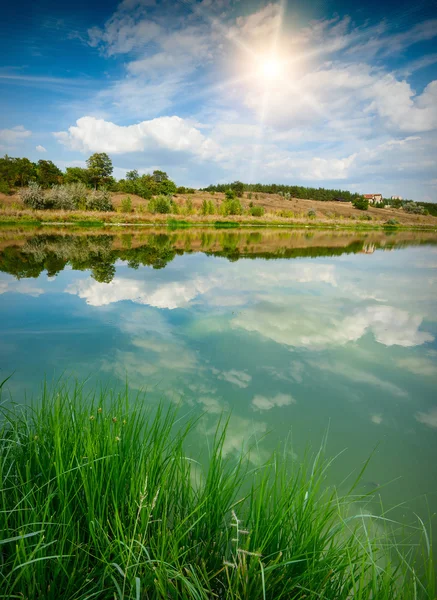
105, 499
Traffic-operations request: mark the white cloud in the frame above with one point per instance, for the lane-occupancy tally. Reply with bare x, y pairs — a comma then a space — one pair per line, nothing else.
268, 402
40, 148
12, 137
171, 133
238, 378
360, 376
419, 365
170, 295
428, 418
323, 328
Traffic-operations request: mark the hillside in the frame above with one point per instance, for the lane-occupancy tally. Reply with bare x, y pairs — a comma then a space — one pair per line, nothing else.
276, 208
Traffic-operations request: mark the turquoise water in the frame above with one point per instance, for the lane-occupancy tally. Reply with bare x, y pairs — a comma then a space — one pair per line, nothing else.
339, 336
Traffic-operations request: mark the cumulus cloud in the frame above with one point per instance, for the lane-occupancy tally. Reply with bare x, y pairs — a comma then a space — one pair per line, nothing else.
321, 328
40, 148
260, 402
12, 137
171, 133
174, 294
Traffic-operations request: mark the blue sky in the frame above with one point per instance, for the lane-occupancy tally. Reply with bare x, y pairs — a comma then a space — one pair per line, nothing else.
326, 94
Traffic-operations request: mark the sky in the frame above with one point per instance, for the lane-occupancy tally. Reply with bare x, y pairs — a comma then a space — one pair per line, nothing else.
327, 94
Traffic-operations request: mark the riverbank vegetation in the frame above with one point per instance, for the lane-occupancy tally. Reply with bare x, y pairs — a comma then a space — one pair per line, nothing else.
103, 498
41, 191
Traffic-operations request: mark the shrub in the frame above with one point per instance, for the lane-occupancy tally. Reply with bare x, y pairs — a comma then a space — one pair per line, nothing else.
174, 208
160, 205
257, 211
68, 197
249, 196
365, 218
181, 190
392, 222
361, 203
207, 207
311, 213
126, 205
230, 194
415, 209
189, 209
232, 207
33, 196
99, 200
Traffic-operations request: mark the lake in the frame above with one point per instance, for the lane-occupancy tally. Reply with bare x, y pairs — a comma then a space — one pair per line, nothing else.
295, 333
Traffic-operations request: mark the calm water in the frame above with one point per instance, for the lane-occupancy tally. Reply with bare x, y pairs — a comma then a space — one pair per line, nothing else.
290, 331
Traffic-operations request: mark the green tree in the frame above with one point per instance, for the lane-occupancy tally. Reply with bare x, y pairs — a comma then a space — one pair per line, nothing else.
361, 203
47, 173
238, 188
132, 175
77, 175
25, 171
100, 168
159, 176
8, 170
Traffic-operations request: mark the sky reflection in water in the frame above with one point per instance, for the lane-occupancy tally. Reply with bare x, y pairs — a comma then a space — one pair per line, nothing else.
345, 341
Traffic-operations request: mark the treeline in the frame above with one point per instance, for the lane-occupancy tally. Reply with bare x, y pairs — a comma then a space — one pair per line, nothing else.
294, 191
21, 172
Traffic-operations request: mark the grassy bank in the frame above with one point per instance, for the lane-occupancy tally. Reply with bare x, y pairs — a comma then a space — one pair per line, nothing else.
65, 219
103, 500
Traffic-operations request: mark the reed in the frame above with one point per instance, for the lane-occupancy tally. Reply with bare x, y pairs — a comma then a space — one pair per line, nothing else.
103, 498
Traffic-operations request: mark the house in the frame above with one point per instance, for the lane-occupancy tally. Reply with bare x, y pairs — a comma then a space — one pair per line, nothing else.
373, 198
396, 197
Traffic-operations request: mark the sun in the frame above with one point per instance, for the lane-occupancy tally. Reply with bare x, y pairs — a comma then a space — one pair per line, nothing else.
270, 68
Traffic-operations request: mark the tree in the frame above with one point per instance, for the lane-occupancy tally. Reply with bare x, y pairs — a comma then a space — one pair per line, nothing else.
8, 170
25, 171
159, 176
77, 175
238, 188
361, 203
132, 175
100, 168
48, 173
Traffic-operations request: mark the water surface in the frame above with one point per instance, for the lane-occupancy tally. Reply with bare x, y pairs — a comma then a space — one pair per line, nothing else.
289, 330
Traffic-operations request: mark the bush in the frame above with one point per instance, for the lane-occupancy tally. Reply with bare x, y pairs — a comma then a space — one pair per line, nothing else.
311, 213
230, 195
126, 205
99, 200
365, 218
257, 211
207, 207
68, 197
415, 209
361, 203
160, 205
249, 196
181, 190
33, 196
392, 222
232, 207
